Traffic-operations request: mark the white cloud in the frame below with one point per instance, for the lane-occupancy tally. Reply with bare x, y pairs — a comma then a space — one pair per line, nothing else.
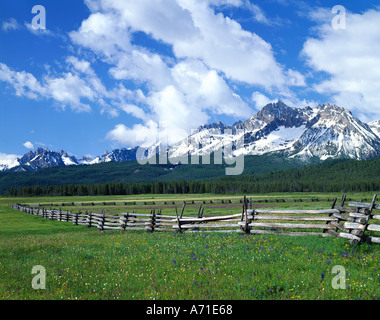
225, 46
28, 145
260, 99
193, 30
39, 31
256, 11
24, 84
294, 78
80, 65
139, 135
10, 25
68, 89
105, 34
208, 50
135, 111
208, 56
350, 57
8, 160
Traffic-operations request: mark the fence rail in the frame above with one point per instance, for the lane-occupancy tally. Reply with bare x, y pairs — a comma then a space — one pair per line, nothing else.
355, 222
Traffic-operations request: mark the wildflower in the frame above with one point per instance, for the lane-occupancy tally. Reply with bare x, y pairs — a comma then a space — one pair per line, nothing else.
322, 276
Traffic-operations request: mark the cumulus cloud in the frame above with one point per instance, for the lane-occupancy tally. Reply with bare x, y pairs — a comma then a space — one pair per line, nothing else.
8, 160
260, 100
28, 145
207, 51
350, 57
139, 135
194, 30
208, 56
24, 84
67, 89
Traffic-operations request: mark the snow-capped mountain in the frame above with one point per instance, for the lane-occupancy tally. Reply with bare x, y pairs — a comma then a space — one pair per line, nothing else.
327, 131
335, 132
375, 127
41, 159
44, 158
117, 155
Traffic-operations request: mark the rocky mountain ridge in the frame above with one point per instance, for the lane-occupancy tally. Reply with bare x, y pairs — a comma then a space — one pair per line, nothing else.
326, 131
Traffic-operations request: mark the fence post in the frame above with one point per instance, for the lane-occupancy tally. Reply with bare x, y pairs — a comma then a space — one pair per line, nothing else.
244, 215
200, 211
246, 228
332, 207
102, 222
368, 213
76, 219
341, 204
178, 221
183, 209
125, 221
89, 220
152, 220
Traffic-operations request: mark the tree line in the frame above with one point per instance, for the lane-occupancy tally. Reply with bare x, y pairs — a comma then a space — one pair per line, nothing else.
333, 176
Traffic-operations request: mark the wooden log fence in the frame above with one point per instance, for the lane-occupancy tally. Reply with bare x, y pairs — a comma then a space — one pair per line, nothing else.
356, 221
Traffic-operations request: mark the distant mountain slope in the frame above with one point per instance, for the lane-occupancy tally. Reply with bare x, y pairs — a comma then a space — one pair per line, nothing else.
44, 158
338, 176
131, 171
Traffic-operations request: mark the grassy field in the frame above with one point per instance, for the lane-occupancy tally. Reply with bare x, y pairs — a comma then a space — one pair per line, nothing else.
84, 263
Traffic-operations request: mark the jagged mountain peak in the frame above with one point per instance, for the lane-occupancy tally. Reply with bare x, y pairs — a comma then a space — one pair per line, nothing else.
325, 131
275, 109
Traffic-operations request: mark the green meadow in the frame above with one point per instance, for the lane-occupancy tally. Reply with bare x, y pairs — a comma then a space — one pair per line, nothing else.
85, 264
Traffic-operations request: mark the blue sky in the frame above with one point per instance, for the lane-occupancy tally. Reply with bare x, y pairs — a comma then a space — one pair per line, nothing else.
106, 74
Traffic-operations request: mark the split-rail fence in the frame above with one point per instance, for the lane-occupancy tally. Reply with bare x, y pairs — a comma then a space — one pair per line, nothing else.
355, 221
